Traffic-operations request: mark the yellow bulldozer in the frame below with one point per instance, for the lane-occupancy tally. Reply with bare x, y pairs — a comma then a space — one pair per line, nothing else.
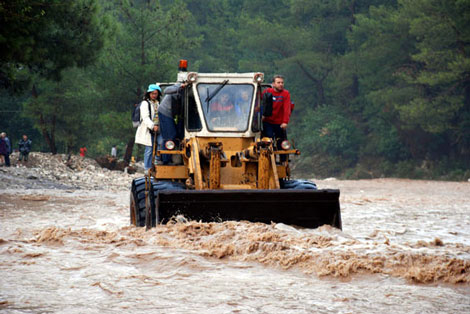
223, 168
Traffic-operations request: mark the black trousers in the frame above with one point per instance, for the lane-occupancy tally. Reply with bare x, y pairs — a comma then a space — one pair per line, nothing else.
278, 135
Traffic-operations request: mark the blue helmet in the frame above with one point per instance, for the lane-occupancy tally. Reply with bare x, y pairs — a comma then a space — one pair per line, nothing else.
153, 87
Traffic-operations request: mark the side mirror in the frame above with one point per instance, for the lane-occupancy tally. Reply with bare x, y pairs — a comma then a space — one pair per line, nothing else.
267, 104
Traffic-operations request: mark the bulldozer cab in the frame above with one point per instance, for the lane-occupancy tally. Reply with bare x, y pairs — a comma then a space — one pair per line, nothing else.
223, 105
222, 119
227, 170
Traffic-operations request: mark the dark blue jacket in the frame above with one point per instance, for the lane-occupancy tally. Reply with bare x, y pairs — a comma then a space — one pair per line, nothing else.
3, 147
24, 146
7, 141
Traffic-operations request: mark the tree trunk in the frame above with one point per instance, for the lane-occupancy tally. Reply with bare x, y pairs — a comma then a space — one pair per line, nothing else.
128, 150
49, 137
318, 83
355, 87
321, 93
352, 16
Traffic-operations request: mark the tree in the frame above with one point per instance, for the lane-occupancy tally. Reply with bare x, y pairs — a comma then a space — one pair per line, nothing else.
13, 122
48, 36
63, 110
149, 39
414, 69
150, 36
42, 39
381, 47
442, 105
217, 23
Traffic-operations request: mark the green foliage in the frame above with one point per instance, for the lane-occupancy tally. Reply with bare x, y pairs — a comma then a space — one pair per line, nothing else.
117, 135
216, 26
63, 110
442, 35
149, 40
423, 79
48, 36
381, 87
318, 166
332, 133
13, 123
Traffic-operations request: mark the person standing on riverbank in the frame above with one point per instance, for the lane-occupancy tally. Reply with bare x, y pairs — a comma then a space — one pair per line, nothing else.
8, 148
113, 151
3, 151
24, 146
83, 151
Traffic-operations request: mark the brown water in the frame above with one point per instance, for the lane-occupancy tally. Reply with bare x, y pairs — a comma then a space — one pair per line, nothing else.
404, 248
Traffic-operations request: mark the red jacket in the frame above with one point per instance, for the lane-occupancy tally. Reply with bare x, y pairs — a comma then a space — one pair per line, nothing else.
281, 106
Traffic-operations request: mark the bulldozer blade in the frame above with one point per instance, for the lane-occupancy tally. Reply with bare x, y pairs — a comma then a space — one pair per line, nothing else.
304, 208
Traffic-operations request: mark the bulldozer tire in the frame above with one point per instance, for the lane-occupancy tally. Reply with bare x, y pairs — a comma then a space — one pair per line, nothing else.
138, 211
137, 202
298, 185
157, 187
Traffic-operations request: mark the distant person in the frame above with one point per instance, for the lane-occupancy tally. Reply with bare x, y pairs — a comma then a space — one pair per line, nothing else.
24, 146
275, 125
9, 148
222, 111
3, 151
149, 127
113, 151
170, 114
83, 151
242, 107
244, 103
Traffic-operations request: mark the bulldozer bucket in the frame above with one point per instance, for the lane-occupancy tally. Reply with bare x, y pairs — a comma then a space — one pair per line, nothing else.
304, 208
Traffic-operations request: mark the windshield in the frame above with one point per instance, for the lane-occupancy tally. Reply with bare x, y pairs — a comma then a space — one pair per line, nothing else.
226, 106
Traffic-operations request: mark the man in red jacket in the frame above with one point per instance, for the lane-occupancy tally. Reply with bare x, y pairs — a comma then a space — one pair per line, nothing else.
275, 125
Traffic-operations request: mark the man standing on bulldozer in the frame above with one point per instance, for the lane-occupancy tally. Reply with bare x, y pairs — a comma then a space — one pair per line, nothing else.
277, 110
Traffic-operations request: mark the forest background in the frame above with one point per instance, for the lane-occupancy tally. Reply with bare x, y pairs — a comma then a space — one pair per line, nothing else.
381, 87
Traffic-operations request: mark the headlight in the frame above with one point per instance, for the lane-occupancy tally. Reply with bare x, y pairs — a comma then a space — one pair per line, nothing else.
170, 145
258, 78
285, 145
192, 77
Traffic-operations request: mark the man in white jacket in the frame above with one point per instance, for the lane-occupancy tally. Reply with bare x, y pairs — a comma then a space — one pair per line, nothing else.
149, 125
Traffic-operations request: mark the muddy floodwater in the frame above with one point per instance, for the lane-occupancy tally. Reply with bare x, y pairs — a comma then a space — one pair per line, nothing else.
404, 248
